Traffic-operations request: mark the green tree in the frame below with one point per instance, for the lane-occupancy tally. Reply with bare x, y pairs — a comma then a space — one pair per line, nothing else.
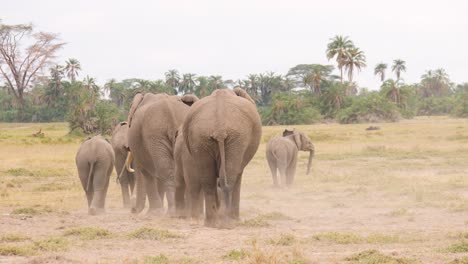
188, 83
398, 67
72, 68
339, 47
435, 83
313, 75
354, 60
380, 70
173, 79
333, 98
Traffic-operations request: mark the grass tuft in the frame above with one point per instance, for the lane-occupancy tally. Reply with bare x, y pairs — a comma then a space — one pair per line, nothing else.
161, 259
9, 250
13, 238
89, 233
374, 257
462, 260
460, 247
255, 222
51, 244
235, 254
153, 234
339, 238
284, 240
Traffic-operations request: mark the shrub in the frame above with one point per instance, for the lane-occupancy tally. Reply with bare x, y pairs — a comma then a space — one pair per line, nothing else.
290, 109
369, 108
460, 108
436, 105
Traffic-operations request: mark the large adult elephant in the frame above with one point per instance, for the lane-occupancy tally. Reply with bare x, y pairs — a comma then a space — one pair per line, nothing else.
220, 136
281, 153
120, 145
95, 162
152, 123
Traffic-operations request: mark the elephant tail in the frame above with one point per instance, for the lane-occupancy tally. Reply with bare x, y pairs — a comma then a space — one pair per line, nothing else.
222, 166
90, 176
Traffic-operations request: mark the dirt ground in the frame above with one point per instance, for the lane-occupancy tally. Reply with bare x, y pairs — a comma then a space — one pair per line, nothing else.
394, 195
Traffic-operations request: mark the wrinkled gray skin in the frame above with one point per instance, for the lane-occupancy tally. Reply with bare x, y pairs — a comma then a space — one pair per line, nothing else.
95, 162
281, 153
153, 121
220, 135
120, 146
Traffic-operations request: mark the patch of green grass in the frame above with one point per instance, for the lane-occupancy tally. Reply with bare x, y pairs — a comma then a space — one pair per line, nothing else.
375, 257
283, 240
339, 238
10, 250
161, 259
274, 216
89, 233
13, 238
153, 234
382, 239
459, 247
462, 260
20, 172
51, 187
235, 254
255, 222
36, 210
51, 244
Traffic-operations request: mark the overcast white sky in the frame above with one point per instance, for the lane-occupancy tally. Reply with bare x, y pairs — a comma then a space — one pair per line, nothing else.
143, 38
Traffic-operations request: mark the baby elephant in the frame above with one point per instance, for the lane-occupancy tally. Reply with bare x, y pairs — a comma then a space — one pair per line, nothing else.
281, 153
95, 161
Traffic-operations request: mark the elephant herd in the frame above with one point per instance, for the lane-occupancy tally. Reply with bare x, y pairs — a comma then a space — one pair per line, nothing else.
190, 151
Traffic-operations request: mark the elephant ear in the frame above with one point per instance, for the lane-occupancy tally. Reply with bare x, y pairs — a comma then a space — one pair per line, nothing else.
134, 106
288, 132
242, 93
298, 140
189, 99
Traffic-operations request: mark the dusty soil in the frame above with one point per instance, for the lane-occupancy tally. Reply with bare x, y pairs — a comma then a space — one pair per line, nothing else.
401, 190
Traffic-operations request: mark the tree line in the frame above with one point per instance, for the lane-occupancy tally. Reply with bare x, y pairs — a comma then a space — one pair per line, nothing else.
35, 89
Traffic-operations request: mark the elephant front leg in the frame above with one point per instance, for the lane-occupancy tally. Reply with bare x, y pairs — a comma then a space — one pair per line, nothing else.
140, 199
124, 185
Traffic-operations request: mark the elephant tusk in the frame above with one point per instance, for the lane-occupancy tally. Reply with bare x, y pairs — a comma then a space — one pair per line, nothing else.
128, 162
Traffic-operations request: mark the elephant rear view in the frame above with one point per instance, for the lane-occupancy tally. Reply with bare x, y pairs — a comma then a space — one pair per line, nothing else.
281, 154
95, 162
221, 134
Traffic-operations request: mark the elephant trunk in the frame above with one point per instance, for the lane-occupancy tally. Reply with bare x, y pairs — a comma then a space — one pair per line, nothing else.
309, 164
128, 162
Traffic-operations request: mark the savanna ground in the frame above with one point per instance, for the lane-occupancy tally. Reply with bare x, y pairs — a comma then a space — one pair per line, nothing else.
396, 195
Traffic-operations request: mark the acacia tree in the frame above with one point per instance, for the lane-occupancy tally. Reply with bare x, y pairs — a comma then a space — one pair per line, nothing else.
20, 65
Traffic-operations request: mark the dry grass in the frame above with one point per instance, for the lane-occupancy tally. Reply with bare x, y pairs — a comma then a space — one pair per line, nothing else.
401, 189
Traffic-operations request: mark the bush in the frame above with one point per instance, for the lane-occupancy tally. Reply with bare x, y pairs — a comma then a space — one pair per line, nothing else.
436, 105
460, 108
290, 109
368, 109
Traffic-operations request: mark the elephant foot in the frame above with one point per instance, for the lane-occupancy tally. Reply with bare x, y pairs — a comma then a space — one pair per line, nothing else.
95, 211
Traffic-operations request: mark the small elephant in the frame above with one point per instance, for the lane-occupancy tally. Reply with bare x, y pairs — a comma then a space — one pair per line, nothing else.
281, 153
125, 178
219, 137
95, 162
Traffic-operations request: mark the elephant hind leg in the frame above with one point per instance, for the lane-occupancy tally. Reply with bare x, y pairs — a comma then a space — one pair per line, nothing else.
273, 169
291, 172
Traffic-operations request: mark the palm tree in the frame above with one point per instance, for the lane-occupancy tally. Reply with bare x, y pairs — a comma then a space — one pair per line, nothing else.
216, 82
380, 70
334, 96
436, 83
391, 90
339, 47
355, 59
56, 74
72, 68
90, 85
188, 82
252, 88
172, 78
398, 67
203, 88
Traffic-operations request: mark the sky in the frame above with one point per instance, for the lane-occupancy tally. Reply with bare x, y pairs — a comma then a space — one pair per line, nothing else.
145, 38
